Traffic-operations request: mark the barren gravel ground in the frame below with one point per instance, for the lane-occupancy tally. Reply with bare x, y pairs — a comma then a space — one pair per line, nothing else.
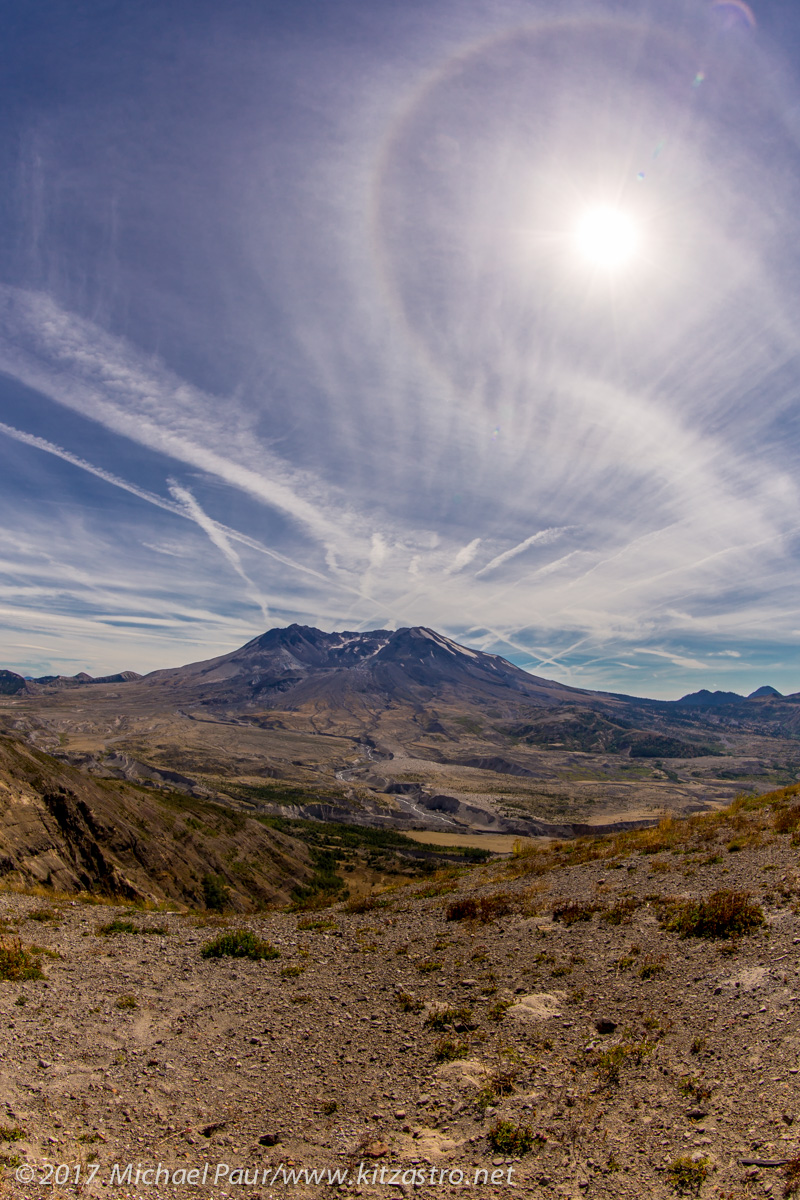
136, 1049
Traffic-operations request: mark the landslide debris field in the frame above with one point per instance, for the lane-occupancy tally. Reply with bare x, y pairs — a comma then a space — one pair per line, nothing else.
406, 728
609, 1017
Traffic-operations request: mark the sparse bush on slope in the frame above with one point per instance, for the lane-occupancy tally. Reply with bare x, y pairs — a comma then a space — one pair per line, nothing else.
17, 962
240, 943
723, 914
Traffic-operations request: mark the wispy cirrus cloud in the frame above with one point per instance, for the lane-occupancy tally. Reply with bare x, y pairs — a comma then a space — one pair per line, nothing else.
101, 377
365, 352
217, 536
544, 537
465, 556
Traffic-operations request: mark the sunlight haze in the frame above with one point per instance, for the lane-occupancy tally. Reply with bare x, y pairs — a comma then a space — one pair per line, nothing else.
477, 316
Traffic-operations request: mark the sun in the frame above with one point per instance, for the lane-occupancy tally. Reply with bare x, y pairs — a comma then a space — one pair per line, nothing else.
606, 236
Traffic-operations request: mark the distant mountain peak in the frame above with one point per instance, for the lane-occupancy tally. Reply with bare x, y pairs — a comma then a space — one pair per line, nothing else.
706, 699
766, 690
300, 665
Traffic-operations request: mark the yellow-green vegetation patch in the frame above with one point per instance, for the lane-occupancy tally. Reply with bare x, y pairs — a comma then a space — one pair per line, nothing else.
122, 925
448, 1049
651, 967
240, 943
498, 1010
786, 820
687, 1176
19, 962
609, 1063
507, 1138
723, 914
126, 1002
12, 1133
292, 970
747, 816
43, 914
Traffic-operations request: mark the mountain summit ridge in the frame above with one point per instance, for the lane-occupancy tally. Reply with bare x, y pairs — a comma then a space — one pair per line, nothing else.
303, 664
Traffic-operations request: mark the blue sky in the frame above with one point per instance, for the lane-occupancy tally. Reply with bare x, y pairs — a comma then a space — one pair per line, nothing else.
294, 326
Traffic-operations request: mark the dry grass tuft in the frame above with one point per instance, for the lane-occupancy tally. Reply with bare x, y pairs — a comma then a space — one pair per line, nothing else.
17, 962
482, 908
724, 914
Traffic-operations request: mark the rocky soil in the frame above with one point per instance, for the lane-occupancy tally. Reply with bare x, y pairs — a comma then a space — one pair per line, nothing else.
596, 1058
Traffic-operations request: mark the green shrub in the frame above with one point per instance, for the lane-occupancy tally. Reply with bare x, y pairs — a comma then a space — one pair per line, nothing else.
215, 892
687, 1176
504, 1079
449, 1049
122, 926
507, 1138
240, 943
498, 1010
609, 1065
17, 962
43, 914
12, 1133
723, 914
126, 1002
117, 926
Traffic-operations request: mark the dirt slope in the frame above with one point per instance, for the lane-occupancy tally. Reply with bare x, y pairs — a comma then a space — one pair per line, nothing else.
61, 827
565, 1030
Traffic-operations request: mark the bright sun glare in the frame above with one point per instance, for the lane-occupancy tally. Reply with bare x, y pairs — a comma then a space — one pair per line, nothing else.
606, 237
